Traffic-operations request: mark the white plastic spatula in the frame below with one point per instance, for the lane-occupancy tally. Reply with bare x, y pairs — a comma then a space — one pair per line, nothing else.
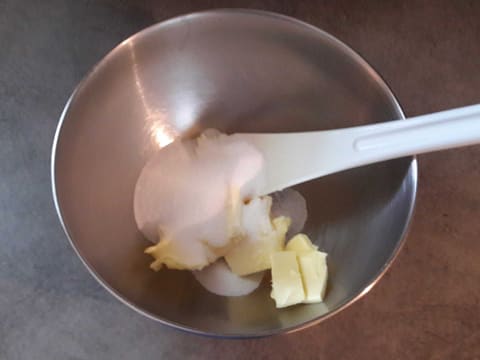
293, 158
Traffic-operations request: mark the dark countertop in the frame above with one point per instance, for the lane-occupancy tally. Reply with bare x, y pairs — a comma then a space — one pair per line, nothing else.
428, 304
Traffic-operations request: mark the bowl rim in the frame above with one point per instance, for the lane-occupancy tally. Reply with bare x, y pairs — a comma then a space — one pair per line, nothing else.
356, 57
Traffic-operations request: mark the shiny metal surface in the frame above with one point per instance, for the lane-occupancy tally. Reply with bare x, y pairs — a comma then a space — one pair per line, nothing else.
237, 71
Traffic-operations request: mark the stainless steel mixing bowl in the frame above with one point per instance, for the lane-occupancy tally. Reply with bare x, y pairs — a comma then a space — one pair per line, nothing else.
237, 71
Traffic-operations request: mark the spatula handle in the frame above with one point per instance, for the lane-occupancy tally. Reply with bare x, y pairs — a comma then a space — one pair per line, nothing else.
421, 134
293, 158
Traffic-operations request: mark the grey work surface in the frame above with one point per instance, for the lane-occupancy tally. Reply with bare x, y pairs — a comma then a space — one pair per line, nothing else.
428, 304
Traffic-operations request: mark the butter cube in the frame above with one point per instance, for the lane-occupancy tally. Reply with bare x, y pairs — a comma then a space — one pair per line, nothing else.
300, 243
262, 237
313, 265
287, 286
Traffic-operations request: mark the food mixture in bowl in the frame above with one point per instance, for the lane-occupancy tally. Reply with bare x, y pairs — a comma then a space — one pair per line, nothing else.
197, 201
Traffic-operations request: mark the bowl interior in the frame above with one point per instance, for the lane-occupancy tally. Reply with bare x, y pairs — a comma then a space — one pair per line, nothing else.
236, 71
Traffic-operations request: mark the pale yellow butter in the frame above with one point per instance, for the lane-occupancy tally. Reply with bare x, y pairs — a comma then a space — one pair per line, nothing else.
300, 243
252, 254
261, 238
287, 287
313, 265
